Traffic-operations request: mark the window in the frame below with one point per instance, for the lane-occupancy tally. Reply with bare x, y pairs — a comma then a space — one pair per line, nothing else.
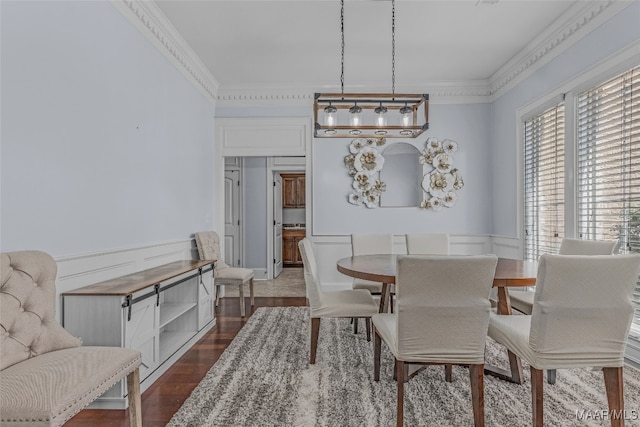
544, 182
608, 164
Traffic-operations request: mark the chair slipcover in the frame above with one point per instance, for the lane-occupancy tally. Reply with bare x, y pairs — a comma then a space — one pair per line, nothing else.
442, 309
523, 300
427, 244
581, 313
347, 303
441, 318
370, 244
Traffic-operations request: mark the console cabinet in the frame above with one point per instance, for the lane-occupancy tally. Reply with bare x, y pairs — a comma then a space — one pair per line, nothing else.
161, 312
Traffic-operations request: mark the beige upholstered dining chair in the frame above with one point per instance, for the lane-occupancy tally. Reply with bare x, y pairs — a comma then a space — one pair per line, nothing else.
370, 244
581, 315
441, 318
46, 377
347, 303
523, 300
427, 243
208, 243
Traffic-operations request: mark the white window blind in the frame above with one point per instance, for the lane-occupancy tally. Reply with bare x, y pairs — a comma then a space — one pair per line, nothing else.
608, 182
544, 182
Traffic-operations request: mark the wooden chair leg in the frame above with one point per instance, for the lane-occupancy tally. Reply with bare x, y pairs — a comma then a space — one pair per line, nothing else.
367, 324
251, 292
355, 324
400, 372
377, 344
615, 395
476, 375
135, 405
241, 295
448, 373
217, 295
551, 376
537, 394
315, 332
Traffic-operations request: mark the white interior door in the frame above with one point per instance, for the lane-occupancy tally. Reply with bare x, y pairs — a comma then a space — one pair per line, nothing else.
277, 224
232, 217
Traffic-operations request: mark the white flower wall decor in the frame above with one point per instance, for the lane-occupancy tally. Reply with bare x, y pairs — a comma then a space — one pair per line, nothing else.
364, 164
441, 179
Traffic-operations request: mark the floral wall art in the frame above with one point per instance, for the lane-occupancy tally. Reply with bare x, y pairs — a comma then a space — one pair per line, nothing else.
440, 178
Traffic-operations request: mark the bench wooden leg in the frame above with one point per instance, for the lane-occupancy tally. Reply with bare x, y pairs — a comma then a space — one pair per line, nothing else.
135, 404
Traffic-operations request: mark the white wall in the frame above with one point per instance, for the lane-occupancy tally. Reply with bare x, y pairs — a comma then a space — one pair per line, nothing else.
104, 144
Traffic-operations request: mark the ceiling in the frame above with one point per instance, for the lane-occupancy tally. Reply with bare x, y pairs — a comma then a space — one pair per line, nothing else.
296, 43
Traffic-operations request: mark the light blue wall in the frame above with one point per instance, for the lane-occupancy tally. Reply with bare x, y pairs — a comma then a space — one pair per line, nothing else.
255, 212
104, 144
620, 31
468, 125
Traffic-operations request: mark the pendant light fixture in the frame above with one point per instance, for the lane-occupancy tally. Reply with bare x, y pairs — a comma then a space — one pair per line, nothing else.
370, 115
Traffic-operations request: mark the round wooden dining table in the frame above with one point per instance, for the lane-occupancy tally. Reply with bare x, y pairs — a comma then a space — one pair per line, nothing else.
509, 273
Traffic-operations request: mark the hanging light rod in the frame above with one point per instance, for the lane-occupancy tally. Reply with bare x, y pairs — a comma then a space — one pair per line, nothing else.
370, 115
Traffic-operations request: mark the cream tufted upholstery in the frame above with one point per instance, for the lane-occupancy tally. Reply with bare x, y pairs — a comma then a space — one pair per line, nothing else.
348, 303
208, 243
582, 312
46, 377
27, 317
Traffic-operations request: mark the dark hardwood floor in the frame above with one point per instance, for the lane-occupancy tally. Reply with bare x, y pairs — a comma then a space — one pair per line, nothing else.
164, 397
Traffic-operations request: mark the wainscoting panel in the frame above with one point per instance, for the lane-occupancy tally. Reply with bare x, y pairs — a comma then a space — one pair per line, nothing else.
82, 270
273, 136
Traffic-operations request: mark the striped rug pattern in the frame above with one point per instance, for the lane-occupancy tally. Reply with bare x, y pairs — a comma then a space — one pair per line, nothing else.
263, 379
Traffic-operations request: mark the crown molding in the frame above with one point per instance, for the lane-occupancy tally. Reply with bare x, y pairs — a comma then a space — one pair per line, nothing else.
450, 92
567, 30
154, 25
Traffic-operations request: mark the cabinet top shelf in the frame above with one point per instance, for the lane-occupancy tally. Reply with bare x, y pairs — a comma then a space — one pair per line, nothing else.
131, 283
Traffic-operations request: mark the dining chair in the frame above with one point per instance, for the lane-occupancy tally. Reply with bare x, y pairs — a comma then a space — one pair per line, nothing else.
370, 244
347, 303
523, 300
582, 311
427, 243
442, 317
208, 243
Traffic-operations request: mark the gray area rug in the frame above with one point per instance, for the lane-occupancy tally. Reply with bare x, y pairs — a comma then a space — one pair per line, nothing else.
263, 379
290, 283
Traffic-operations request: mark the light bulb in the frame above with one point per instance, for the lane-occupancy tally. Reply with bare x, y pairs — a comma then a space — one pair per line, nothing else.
356, 115
330, 113
406, 115
381, 118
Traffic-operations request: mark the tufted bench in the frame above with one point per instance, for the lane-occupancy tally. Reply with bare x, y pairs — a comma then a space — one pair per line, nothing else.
46, 377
